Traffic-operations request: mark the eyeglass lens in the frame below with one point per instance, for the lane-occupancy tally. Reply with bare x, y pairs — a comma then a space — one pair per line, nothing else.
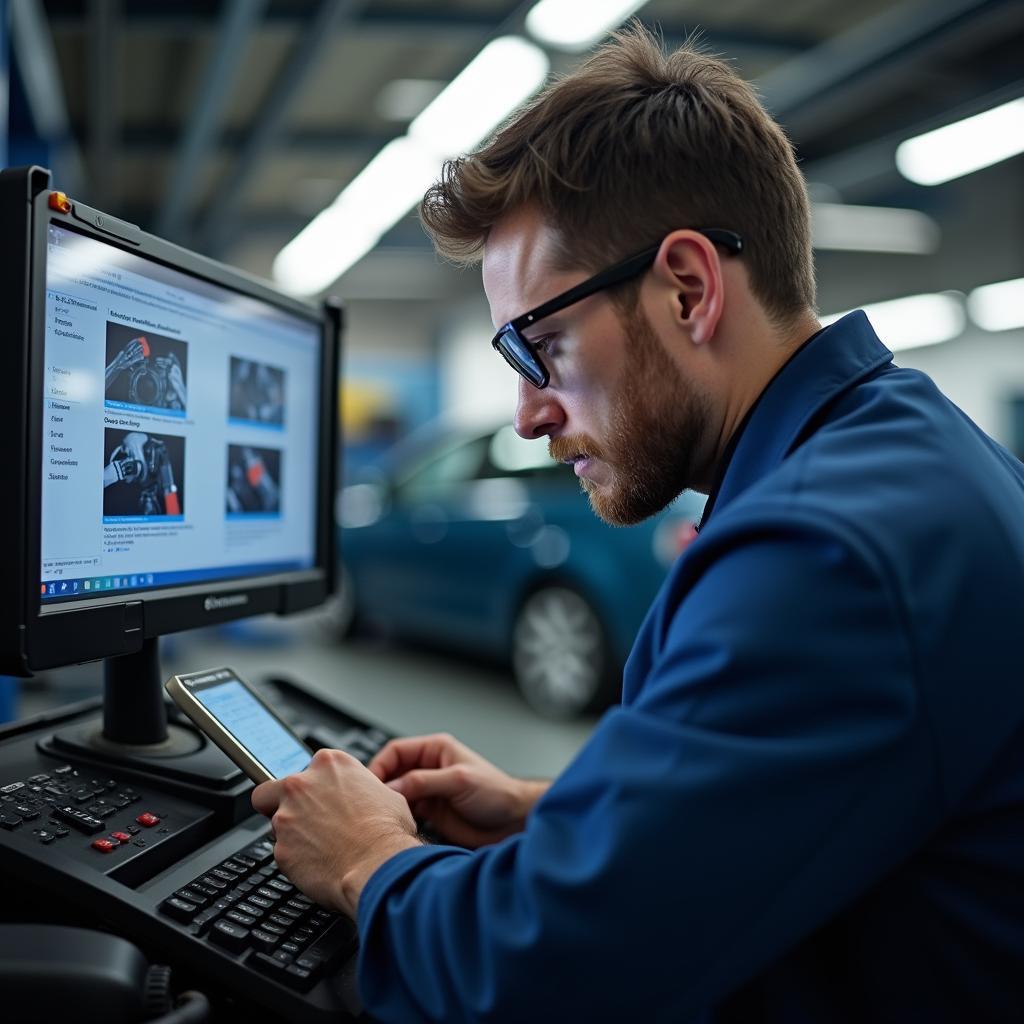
521, 357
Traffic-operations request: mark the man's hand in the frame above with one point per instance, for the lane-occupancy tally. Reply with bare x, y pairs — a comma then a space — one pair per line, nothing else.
465, 798
335, 824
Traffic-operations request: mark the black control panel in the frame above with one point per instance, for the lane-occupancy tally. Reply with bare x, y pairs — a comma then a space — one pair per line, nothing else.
186, 875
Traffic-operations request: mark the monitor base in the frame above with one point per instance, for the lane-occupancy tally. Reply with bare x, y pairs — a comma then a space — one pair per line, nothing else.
135, 733
185, 755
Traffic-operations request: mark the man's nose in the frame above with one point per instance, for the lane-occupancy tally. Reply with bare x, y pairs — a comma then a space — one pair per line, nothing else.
538, 412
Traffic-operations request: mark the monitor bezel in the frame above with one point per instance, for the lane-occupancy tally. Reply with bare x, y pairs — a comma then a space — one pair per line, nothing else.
86, 629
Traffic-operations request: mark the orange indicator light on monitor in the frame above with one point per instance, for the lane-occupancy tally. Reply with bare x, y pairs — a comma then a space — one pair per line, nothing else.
59, 201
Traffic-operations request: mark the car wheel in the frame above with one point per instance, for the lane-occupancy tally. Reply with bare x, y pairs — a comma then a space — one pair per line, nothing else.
560, 654
338, 614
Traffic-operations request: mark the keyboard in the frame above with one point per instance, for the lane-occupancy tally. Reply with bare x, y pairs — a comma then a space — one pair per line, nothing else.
246, 907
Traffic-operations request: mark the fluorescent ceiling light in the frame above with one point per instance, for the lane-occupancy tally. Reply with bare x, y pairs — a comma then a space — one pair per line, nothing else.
404, 98
505, 73
998, 307
498, 79
873, 229
379, 196
571, 25
964, 146
914, 321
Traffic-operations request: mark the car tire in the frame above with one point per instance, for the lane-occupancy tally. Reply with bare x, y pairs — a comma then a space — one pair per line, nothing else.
560, 654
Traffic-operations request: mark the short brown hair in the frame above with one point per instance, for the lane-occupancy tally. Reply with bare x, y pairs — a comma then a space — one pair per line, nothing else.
632, 145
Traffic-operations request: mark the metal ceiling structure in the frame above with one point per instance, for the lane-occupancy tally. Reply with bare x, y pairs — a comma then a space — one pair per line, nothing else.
228, 125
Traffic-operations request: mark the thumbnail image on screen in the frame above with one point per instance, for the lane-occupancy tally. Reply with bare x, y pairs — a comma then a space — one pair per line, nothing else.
256, 392
143, 474
254, 480
145, 370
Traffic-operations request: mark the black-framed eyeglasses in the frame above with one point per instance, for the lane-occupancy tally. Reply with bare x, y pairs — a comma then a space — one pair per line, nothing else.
521, 354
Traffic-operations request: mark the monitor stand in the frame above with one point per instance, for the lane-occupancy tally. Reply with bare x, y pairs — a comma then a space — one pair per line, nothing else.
135, 732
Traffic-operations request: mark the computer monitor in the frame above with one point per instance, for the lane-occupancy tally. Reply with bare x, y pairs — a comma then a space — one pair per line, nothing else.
170, 446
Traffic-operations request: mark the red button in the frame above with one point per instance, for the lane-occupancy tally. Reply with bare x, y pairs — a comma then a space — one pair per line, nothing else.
148, 820
103, 845
121, 837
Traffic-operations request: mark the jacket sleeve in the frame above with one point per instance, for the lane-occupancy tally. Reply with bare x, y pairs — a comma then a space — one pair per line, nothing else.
775, 762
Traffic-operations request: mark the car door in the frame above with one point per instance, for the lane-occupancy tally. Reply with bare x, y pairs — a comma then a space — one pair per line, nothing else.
403, 558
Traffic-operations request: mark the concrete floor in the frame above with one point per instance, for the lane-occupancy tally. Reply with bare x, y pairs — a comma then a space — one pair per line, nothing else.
404, 689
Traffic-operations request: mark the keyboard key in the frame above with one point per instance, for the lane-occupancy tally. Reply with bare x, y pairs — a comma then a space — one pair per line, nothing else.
298, 977
231, 936
268, 894
179, 909
259, 901
202, 922
252, 911
263, 940
265, 962
245, 920
260, 852
192, 897
79, 819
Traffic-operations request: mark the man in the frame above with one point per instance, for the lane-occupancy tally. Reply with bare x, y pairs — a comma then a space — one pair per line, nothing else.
810, 804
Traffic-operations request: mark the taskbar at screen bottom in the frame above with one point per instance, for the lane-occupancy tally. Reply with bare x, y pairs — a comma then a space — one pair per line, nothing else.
90, 586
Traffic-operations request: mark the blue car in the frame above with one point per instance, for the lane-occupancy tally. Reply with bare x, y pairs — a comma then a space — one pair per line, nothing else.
477, 542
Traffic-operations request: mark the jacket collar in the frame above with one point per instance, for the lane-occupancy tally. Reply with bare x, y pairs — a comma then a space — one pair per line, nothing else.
831, 362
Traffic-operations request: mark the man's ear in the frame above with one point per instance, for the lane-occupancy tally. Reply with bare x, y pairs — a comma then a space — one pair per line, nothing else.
689, 264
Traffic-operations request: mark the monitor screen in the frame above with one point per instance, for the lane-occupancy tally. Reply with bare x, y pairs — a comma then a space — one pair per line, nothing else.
180, 427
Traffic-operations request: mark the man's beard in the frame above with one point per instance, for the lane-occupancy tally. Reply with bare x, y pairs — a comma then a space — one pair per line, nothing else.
655, 438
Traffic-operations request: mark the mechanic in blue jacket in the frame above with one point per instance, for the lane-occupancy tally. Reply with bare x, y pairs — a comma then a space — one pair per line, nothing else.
810, 804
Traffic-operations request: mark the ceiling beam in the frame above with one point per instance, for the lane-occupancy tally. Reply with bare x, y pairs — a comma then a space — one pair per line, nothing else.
430, 22
103, 67
316, 35
32, 45
866, 167
845, 73
240, 17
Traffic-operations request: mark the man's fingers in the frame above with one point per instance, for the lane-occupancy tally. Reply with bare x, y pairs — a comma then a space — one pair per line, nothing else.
420, 784
265, 797
399, 756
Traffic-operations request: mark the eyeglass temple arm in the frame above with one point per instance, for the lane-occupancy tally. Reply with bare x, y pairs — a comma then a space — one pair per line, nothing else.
617, 274
613, 275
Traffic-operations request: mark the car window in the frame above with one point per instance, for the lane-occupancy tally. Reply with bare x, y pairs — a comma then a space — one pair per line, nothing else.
509, 455
445, 472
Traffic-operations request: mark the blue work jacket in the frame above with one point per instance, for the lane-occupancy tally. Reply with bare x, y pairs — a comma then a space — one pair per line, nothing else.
810, 804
